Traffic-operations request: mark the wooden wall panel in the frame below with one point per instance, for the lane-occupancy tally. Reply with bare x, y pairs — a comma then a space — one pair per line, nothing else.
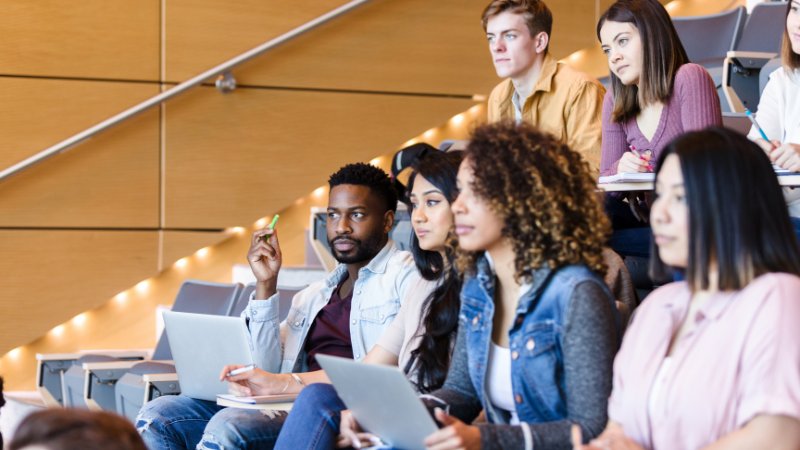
203, 33
50, 276
397, 45
234, 158
88, 38
109, 181
370, 48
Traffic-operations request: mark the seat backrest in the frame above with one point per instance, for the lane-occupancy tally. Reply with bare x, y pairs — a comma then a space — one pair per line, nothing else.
736, 121
201, 297
764, 28
707, 39
763, 76
241, 301
401, 231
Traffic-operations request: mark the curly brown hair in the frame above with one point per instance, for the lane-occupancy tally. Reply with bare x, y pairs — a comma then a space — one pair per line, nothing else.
545, 194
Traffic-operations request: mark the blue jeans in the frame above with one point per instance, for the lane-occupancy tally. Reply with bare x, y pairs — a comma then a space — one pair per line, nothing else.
179, 422
314, 420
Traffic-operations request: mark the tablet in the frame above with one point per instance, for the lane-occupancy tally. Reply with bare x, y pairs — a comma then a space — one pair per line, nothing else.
382, 400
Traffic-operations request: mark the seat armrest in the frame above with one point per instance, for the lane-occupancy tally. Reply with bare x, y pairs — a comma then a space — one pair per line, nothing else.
110, 365
156, 377
57, 356
750, 55
159, 384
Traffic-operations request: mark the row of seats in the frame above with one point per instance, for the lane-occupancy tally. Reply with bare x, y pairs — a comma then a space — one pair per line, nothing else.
737, 49
123, 380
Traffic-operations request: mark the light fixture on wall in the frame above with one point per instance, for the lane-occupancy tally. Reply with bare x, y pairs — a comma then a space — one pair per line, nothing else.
458, 119
182, 263
142, 286
14, 354
121, 298
58, 330
202, 253
79, 320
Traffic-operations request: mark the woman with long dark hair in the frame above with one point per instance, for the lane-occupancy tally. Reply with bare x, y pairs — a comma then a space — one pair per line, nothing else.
420, 339
713, 362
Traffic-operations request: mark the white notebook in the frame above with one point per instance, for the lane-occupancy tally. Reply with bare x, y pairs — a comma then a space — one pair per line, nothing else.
626, 177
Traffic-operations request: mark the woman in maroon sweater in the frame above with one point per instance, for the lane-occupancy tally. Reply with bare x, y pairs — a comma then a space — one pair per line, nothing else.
656, 95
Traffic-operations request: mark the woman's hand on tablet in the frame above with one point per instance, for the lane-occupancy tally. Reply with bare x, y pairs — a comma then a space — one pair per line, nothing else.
351, 435
454, 435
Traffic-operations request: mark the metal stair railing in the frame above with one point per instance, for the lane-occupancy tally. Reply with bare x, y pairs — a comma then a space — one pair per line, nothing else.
225, 83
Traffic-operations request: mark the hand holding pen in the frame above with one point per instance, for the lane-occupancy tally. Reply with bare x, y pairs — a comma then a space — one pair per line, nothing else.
783, 155
265, 259
635, 161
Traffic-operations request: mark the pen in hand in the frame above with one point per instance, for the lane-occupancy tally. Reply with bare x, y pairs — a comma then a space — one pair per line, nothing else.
241, 370
649, 166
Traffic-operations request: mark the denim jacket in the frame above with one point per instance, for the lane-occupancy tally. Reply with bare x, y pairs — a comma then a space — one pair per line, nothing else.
540, 388
377, 294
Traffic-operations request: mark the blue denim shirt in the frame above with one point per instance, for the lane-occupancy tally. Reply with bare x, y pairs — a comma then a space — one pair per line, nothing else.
535, 339
377, 294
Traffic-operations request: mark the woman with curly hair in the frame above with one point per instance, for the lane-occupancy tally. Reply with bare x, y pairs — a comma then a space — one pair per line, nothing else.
537, 331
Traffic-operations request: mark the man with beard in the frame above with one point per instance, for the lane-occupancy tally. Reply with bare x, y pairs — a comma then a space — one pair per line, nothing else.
343, 315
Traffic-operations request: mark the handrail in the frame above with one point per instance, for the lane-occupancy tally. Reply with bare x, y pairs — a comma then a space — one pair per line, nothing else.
178, 89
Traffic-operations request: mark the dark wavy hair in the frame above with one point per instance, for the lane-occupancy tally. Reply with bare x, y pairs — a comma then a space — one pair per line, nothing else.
663, 55
67, 429
545, 194
737, 214
362, 174
440, 310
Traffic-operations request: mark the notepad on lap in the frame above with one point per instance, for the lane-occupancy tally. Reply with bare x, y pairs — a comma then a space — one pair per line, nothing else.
627, 177
281, 401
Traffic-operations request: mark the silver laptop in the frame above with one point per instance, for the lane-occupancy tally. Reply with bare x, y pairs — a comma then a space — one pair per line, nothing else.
382, 400
202, 344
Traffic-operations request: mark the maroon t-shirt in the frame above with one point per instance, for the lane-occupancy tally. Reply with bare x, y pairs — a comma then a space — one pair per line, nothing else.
330, 332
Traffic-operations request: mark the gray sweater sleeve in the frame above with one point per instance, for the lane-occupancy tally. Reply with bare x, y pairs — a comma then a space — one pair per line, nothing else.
589, 346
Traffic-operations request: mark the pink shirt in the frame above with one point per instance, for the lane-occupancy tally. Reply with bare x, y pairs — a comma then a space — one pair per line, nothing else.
742, 359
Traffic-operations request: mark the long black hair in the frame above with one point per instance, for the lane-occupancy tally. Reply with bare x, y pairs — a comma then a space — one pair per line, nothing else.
737, 214
439, 323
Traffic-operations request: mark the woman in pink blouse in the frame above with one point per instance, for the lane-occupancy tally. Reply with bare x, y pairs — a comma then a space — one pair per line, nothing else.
713, 362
